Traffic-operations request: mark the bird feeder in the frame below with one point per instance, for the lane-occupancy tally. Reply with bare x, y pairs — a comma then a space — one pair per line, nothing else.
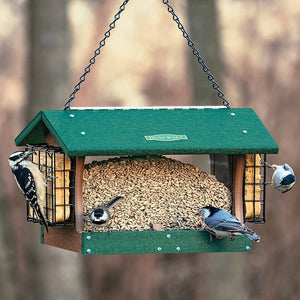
145, 139
133, 151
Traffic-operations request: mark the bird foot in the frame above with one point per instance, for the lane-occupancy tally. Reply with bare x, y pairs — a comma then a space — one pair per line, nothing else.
267, 164
108, 230
210, 234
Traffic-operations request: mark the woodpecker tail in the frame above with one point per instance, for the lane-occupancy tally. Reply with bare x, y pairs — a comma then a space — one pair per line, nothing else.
40, 214
113, 202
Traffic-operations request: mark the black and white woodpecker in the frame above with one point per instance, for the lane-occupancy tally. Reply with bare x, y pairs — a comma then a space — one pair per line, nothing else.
30, 180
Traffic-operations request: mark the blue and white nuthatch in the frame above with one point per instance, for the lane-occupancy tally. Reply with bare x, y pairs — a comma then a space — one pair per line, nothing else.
283, 177
223, 224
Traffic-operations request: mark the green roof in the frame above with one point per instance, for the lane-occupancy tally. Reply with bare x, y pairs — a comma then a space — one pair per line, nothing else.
147, 131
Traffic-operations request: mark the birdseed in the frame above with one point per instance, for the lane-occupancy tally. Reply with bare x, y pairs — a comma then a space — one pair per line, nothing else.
159, 193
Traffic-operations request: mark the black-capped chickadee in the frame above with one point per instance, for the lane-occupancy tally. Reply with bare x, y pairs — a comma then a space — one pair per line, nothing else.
101, 215
223, 224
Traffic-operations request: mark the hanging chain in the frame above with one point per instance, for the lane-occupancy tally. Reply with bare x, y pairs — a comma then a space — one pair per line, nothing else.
185, 35
96, 53
197, 54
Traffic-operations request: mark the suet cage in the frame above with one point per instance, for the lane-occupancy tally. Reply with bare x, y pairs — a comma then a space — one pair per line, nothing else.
254, 193
59, 175
133, 151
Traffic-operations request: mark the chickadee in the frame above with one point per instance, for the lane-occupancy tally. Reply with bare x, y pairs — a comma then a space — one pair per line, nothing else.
101, 215
283, 177
223, 224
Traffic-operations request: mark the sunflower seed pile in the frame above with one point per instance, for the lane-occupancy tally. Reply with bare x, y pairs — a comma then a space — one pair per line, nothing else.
158, 192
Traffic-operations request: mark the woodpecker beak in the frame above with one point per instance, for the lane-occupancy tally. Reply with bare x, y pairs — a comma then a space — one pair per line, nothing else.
27, 154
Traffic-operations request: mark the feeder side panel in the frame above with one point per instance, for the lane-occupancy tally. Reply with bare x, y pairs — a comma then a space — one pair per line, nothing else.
51, 141
78, 193
238, 180
66, 238
171, 241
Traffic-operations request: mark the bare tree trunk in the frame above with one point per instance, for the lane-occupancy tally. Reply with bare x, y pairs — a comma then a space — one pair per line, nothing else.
54, 273
48, 56
15, 278
222, 270
205, 33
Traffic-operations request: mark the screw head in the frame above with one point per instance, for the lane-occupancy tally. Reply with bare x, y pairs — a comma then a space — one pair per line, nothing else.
88, 250
71, 116
88, 237
245, 131
177, 249
247, 248
233, 114
159, 249
82, 133
168, 236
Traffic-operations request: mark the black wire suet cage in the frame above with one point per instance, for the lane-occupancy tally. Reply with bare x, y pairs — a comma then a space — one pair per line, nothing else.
59, 175
254, 193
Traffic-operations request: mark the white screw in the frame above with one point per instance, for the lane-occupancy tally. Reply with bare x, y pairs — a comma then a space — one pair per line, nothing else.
178, 249
82, 132
233, 114
168, 236
88, 250
71, 116
88, 237
159, 249
245, 131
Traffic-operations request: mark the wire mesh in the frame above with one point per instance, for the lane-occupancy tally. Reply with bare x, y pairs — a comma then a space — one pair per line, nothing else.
254, 201
59, 174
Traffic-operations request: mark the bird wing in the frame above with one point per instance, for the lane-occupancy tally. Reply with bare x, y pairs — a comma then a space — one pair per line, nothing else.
26, 183
224, 221
288, 179
231, 225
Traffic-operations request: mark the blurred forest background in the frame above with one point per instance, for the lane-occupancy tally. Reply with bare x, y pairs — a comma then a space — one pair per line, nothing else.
253, 49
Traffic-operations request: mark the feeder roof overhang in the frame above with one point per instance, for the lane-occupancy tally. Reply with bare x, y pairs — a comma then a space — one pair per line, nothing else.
149, 131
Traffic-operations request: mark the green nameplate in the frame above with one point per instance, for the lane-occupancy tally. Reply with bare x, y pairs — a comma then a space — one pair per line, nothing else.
166, 137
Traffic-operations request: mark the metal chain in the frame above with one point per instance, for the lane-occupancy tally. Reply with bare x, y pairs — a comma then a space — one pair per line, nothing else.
197, 54
185, 35
96, 53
